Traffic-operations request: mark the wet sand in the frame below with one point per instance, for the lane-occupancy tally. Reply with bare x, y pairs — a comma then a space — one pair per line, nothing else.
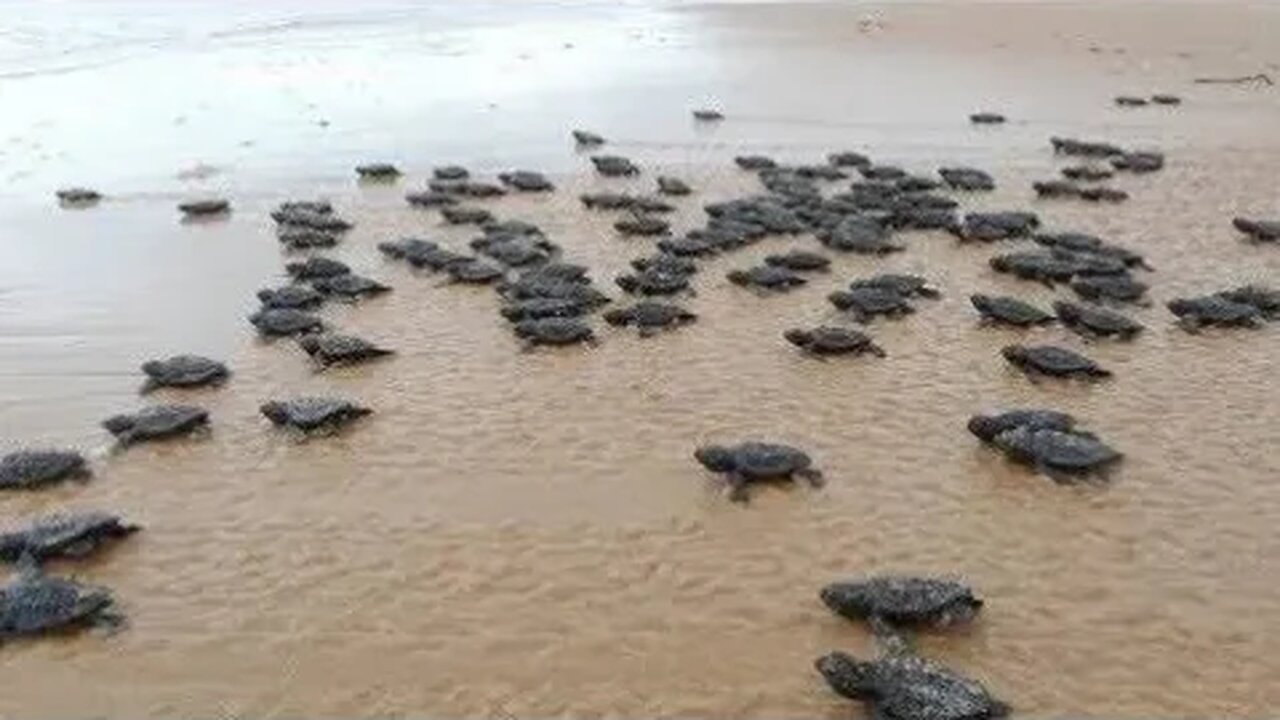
527, 534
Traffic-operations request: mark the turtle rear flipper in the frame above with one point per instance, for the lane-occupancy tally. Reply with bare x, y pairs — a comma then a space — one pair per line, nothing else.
892, 641
813, 475
738, 488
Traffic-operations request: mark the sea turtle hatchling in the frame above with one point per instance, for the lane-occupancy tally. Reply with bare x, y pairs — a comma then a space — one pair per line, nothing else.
986, 118
654, 281
32, 469
614, 166
77, 196
800, 261
766, 278
904, 686
669, 185
554, 331
535, 308
1009, 311
350, 286
642, 224
283, 322
1095, 321
159, 422
707, 115
865, 303
336, 349
830, 340
1063, 455
903, 600
204, 207
586, 138
313, 413
450, 172
1116, 288
754, 462
1258, 231
666, 263
33, 603
1053, 361
987, 427
465, 215
299, 297
967, 179
316, 266
1265, 298
904, 285
526, 181
64, 535
183, 371
377, 171
650, 317
1213, 310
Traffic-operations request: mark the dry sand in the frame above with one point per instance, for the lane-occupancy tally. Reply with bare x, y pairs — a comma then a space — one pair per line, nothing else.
527, 534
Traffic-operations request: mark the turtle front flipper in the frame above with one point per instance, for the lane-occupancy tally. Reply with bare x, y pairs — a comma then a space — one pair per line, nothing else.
738, 488
892, 641
813, 475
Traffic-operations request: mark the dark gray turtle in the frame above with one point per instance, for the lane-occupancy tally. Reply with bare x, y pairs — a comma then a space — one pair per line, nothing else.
349, 285
335, 349
586, 139
707, 115
1118, 288
860, 234
830, 340
642, 224
967, 178
754, 462
1213, 310
986, 118
614, 166
533, 286
183, 371
992, 226
317, 207
435, 258
829, 173
451, 172
1060, 454
32, 603
645, 204
800, 261
526, 181
650, 317
848, 159
377, 171
31, 469
865, 303
316, 267
1138, 162
313, 413
1056, 189
607, 201
902, 686
1009, 311
466, 188
1166, 99
299, 237
77, 196
916, 184
535, 308
465, 215
281, 322
1053, 361
430, 198
554, 331
904, 285
313, 214
1087, 173
1130, 101
903, 600
766, 277
556, 272
666, 263
158, 422
654, 282
1038, 266
888, 173
1258, 230
987, 427
1103, 194
404, 248
668, 185
1084, 148
57, 536
1266, 299
1095, 321
1091, 244
204, 207
1087, 263
516, 250
755, 162
475, 272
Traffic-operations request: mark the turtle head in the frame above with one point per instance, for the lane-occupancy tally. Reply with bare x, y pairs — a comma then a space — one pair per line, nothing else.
980, 301
309, 343
1015, 354
838, 598
984, 427
627, 282
739, 277
1065, 310
716, 458
799, 337
118, 424
842, 300
847, 675
1179, 307
274, 411
999, 263
153, 367
617, 317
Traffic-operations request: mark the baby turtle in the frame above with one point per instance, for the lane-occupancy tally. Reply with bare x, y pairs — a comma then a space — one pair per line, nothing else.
1130, 101
474, 272
1084, 148
526, 181
967, 178
766, 277
848, 159
316, 267
1138, 162
755, 162
586, 139
1053, 361
1060, 454
754, 462
1166, 99
1055, 189
64, 536
535, 308
986, 118
800, 261
993, 226
1262, 297
451, 172
1009, 311
1095, 321
882, 172
334, 349
1213, 310
902, 686
903, 600
159, 422
204, 208
650, 317
1119, 288
349, 285
1082, 243
904, 285
830, 340
1087, 173
642, 224
668, 185
862, 235
916, 184
77, 196
184, 371
1258, 231
1039, 266
707, 115
31, 469
614, 166
867, 302
666, 263
654, 282
298, 237
313, 413
377, 171
1102, 194
281, 322
465, 215
430, 198
554, 331
299, 297
32, 603
987, 427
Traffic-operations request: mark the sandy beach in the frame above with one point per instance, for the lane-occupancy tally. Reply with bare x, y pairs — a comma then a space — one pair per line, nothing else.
526, 534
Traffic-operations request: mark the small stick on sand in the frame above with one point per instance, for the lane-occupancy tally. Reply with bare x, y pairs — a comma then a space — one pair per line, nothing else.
1260, 77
